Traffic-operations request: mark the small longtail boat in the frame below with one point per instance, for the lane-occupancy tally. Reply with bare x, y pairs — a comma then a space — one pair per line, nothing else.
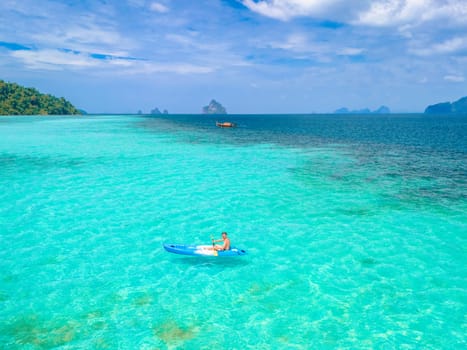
225, 125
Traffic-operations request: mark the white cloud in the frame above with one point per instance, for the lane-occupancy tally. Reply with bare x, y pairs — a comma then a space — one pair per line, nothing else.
454, 78
350, 51
49, 59
303, 47
390, 12
297, 42
365, 12
158, 7
449, 46
410, 13
91, 34
287, 9
84, 33
183, 40
178, 68
93, 27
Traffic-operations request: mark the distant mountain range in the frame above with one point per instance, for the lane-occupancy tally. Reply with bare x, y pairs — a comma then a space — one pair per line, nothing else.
459, 106
380, 110
18, 100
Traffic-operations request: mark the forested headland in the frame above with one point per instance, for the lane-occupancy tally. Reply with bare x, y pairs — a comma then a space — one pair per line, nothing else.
457, 107
19, 100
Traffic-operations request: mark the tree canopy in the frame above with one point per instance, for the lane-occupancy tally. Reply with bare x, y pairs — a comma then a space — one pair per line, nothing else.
18, 100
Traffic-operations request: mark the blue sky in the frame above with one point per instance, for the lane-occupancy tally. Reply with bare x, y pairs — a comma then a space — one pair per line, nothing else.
253, 56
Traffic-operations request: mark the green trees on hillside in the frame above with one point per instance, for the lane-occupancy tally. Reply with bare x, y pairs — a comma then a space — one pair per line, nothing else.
18, 100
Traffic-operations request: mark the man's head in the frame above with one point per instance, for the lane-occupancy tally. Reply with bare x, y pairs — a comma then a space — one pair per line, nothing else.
224, 234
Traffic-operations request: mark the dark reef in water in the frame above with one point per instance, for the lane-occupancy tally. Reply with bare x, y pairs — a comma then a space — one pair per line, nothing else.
457, 107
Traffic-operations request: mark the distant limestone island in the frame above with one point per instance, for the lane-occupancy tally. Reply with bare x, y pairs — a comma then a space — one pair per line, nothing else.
214, 107
157, 111
457, 107
19, 100
380, 110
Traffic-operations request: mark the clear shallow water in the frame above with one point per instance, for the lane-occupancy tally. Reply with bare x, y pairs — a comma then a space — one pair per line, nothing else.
356, 229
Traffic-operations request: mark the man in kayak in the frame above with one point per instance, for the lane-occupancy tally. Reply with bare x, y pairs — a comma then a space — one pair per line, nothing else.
225, 239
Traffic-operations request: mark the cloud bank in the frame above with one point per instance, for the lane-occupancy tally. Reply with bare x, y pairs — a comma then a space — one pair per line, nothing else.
277, 52
363, 12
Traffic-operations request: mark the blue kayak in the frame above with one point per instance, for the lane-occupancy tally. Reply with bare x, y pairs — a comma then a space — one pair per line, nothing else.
201, 250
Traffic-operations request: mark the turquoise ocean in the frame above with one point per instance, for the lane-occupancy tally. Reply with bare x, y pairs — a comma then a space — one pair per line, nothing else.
355, 227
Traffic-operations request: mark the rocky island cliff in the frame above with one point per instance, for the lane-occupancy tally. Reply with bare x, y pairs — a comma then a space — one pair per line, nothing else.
457, 107
214, 107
